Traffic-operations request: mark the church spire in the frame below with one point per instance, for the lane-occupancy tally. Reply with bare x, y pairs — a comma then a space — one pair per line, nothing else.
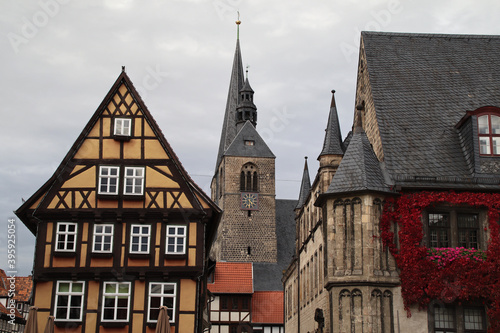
233, 100
333, 140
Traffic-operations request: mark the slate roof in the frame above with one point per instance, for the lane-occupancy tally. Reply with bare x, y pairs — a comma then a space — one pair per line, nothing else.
305, 186
422, 85
232, 278
239, 148
235, 84
360, 169
268, 307
267, 276
332, 144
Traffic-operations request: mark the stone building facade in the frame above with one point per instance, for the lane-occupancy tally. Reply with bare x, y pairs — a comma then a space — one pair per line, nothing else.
426, 132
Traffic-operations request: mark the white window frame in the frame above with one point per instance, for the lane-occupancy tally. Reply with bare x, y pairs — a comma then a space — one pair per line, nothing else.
70, 294
135, 180
102, 234
141, 235
123, 127
162, 295
66, 235
107, 176
176, 238
116, 295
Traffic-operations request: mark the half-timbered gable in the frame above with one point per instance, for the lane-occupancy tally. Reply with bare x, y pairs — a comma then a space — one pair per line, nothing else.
121, 228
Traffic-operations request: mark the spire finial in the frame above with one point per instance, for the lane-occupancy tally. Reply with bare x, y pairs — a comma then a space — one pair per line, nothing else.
238, 22
248, 66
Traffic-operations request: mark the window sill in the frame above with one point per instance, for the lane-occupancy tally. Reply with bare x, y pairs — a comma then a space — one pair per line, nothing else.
113, 324
104, 196
139, 255
122, 137
64, 254
175, 256
67, 324
101, 254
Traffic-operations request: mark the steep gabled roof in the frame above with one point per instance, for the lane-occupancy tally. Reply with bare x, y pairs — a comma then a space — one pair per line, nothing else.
232, 278
240, 146
332, 144
422, 85
199, 200
305, 186
235, 84
359, 170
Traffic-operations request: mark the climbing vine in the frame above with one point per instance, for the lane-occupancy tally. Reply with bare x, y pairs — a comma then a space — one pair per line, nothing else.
447, 275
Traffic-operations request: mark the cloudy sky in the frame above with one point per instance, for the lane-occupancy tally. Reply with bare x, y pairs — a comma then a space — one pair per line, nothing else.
59, 58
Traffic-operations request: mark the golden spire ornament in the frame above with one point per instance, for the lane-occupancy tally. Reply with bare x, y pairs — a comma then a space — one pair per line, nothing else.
238, 22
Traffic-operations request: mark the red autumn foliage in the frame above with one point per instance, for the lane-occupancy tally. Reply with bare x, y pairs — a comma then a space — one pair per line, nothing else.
462, 280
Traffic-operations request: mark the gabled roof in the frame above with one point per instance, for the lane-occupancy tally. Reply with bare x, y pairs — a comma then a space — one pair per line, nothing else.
239, 146
268, 307
332, 144
305, 186
197, 197
232, 278
235, 84
422, 85
359, 170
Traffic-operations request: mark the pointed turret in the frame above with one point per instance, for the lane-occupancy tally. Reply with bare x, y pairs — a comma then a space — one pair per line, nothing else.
333, 138
333, 148
305, 186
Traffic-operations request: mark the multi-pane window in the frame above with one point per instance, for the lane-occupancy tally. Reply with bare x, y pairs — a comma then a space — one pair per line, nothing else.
176, 239
66, 236
459, 319
116, 301
139, 238
123, 126
69, 300
454, 229
489, 134
439, 230
103, 238
133, 181
444, 320
468, 228
108, 179
474, 320
161, 294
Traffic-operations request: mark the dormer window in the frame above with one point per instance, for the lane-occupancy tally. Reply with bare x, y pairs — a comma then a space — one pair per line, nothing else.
123, 127
489, 134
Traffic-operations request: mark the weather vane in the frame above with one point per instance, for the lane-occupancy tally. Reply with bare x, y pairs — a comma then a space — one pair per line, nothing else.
238, 22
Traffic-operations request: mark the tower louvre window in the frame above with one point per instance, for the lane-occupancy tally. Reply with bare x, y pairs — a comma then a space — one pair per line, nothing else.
249, 178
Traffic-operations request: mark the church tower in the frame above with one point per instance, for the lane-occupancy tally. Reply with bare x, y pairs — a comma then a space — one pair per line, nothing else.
244, 180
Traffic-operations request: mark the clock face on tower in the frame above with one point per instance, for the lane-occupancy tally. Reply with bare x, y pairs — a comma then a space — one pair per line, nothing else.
249, 201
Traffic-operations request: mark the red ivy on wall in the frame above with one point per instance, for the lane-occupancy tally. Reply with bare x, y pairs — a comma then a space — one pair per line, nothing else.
422, 280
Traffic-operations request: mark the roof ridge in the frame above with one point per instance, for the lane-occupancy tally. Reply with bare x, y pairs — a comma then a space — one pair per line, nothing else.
427, 35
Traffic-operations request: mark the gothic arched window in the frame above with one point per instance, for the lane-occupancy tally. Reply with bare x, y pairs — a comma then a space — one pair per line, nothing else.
249, 178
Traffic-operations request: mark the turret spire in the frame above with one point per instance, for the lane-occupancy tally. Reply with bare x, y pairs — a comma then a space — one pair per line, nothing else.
333, 140
305, 186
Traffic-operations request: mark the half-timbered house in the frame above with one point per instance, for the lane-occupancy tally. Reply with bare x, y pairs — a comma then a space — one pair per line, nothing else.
121, 229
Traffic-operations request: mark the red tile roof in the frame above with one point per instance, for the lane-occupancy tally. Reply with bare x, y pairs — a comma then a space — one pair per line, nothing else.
232, 278
268, 307
6, 311
24, 284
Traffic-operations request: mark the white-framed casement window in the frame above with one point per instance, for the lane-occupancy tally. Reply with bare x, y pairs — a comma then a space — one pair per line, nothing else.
176, 239
123, 126
139, 238
489, 134
133, 182
69, 300
103, 238
108, 179
161, 294
66, 236
116, 301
